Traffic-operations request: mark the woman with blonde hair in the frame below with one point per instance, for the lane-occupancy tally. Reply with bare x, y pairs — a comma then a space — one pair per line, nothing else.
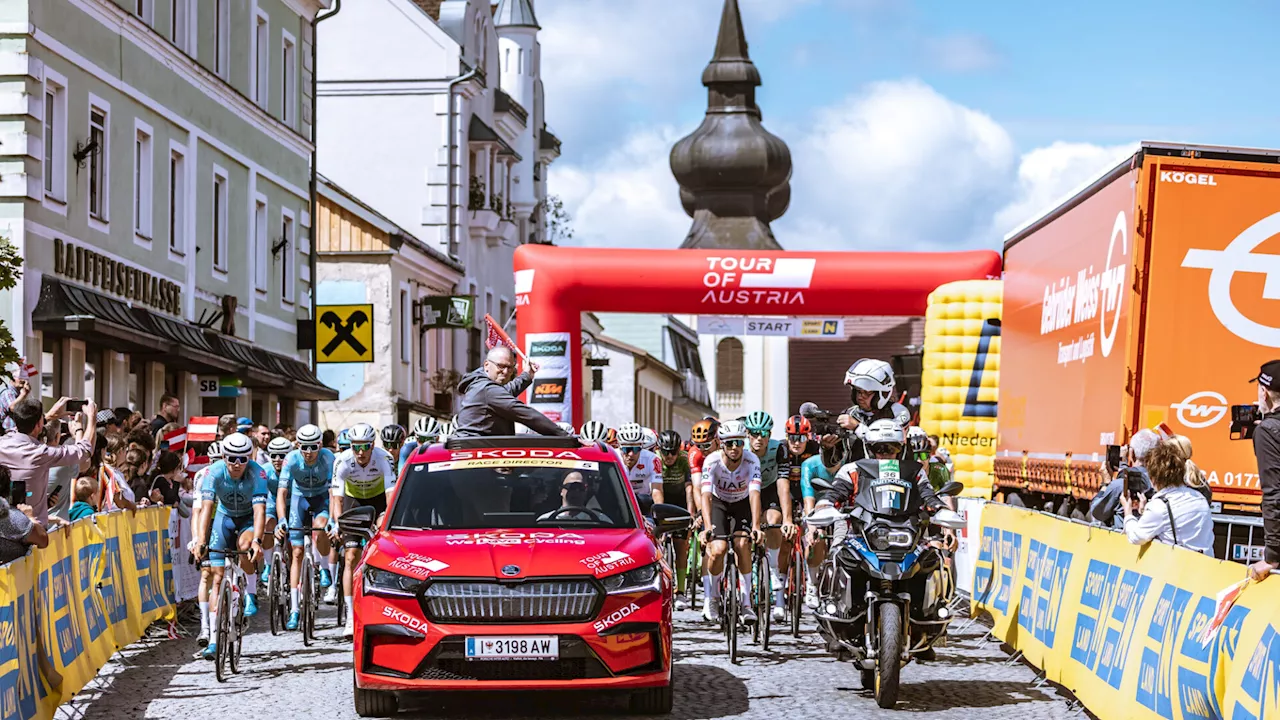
1195, 476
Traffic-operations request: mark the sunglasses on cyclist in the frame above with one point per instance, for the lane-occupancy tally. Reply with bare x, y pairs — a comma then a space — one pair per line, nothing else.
703, 446
733, 443
798, 438
674, 451
310, 447
235, 459
631, 448
277, 456
758, 434
361, 447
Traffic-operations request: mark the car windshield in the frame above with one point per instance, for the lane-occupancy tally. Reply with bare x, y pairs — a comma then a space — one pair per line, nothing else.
529, 493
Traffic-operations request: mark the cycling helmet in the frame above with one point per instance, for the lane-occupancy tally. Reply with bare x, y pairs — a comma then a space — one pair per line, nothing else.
759, 423
428, 428
344, 440
918, 439
361, 433
446, 429
873, 376
237, 445
703, 432
594, 431
308, 434
669, 441
798, 425
611, 438
732, 430
279, 445
392, 434
884, 437
631, 434
650, 439
215, 450
567, 428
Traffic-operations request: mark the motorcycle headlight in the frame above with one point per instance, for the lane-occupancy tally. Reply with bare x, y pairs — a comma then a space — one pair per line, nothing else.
385, 582
640, 579
884, 538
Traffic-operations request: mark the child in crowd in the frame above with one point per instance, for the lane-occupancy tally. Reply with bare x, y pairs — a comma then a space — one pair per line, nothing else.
86, 493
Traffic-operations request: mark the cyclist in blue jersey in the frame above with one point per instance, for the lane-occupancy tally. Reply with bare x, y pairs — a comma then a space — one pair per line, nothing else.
425, 432
304, 491
239, 486
810, 469
344, 441
775, 500
277, 450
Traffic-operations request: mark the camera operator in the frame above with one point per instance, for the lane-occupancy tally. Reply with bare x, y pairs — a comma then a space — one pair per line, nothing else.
1130, 477
1266, 448
871, 389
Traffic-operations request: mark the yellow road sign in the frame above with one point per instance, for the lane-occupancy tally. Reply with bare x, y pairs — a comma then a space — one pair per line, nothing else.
344, 333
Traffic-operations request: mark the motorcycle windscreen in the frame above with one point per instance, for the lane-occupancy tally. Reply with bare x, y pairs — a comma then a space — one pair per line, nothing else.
887, 487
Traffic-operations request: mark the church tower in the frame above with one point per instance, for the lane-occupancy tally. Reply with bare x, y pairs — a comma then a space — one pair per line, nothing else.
518, 49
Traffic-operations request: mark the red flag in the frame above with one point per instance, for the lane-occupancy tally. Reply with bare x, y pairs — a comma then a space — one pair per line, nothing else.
177, 440
202, 429
498, 337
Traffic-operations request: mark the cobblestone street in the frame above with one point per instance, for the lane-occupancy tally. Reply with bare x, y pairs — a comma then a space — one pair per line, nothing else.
797, 679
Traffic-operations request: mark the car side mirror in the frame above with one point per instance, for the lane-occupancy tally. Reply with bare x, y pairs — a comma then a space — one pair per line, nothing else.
952, 488
646, 504
670, 518
949, 519
358, 521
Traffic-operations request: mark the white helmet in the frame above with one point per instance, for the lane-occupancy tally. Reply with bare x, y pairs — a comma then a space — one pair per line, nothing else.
446, 429
873, 376
215, 450
279, 445
918, 438
594, 431
308, 434
237, 445
884, 432
732, 430
567, 428
631, 434
650, 439
427, 427
361, 433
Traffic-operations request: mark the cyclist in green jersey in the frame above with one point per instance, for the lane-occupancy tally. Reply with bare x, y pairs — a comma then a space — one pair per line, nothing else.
775, 500
677, 489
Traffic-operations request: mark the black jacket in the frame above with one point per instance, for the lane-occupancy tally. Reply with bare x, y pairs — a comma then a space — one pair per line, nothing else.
491, 409
1266, 447
850, 479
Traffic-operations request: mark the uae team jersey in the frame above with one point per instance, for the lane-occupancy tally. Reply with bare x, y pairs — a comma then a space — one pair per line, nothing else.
731, 486
645, 474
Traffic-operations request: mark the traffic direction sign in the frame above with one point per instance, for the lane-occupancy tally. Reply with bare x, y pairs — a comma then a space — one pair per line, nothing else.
344, 333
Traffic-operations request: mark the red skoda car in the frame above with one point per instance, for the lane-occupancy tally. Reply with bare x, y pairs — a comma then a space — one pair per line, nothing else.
519, 563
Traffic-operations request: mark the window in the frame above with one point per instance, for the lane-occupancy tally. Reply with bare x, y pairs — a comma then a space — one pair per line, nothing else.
177, 202
179, 29
219, 222
597, 379
424, 347
288, 78
142, 8
406, 329
221, 32
519, 61
142, 185
290, 251
98, 160
261, 245
55, 139
729, 366
261, 59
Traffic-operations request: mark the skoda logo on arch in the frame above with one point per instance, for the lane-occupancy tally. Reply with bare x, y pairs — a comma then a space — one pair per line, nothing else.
1195, 415
1239, 256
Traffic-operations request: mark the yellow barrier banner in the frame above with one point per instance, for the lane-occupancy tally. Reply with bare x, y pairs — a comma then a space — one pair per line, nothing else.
1119, 624
93, 590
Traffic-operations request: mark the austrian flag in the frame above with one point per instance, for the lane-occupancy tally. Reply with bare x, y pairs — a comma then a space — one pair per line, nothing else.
202, 429
176, 440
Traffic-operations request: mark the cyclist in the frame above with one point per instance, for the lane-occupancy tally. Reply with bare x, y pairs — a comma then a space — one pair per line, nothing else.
594, 431
730, 492
800, 442
644, 471
676, 488
360, 479
277, 450
812, 468
775, 499
425, 432
238, 486
304, 493
702, 442
871, 389
392, 439
612, 439
344, 441
214, 453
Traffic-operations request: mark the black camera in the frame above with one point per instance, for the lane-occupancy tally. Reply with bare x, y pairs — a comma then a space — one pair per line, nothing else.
18, 493
1135, 483
1244, 418
822, 422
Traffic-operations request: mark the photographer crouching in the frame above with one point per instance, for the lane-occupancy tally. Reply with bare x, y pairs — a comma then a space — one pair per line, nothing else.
1266, 448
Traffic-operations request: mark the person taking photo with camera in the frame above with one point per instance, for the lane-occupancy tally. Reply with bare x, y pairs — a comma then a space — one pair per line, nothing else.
29, 458
1266, 448
1130, 478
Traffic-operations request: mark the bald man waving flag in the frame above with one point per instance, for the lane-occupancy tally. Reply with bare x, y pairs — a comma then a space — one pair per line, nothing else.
489, 402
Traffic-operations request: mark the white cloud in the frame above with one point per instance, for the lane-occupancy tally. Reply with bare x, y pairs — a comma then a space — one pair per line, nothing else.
962, 52
1047, 174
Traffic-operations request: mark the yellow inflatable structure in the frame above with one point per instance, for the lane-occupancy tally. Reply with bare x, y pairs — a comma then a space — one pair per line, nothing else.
959, 386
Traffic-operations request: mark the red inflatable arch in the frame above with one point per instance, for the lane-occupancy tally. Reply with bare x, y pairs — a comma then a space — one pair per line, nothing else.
555, 284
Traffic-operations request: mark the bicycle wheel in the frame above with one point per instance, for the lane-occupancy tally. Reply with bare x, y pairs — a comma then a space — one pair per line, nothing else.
692, 577
795, 585
283, 601
732, 597
237, 629
764, 600
273, 597
339, 571
307, 599
223, 632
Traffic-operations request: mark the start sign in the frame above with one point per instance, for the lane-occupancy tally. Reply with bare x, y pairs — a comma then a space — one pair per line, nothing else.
344, 333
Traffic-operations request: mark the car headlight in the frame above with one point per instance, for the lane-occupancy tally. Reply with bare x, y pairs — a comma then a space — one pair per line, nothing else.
386, 582
642, 578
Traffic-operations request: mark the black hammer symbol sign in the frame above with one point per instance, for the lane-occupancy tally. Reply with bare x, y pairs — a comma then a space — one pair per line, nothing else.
343, 333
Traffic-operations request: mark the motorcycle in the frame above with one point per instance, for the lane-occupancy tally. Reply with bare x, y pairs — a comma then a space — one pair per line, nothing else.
886, 586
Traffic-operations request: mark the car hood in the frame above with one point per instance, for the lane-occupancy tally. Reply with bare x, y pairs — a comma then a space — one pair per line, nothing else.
512, 553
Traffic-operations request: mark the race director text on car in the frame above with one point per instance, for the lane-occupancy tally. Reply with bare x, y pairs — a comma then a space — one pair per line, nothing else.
489, 403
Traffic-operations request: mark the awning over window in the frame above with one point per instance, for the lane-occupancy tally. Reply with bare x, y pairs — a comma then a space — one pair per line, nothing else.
70, 310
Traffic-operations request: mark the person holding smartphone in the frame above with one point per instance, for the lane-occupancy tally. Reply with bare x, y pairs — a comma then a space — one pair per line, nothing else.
1266, 448
29, 458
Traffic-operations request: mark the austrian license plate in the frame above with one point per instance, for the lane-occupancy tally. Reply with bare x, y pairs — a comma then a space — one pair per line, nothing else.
519, 647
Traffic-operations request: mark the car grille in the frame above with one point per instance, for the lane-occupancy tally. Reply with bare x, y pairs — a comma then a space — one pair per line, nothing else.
544, 601
448, 662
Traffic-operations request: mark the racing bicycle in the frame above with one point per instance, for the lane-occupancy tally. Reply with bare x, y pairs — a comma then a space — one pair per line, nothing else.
796, 578
308, 588
231, 619
278, 590
693, 573
730, 594
761, 592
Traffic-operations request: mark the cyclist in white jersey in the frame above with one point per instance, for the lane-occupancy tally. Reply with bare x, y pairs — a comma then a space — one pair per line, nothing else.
730, 499
644, 469
361, 477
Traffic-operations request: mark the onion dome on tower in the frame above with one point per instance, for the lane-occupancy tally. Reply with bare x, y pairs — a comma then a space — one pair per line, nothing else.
733, 174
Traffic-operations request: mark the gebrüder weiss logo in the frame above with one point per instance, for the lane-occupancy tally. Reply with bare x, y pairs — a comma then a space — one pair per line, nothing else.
1239, 256
736, 280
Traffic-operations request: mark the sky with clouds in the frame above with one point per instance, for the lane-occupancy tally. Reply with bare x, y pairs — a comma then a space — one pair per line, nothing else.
913, 124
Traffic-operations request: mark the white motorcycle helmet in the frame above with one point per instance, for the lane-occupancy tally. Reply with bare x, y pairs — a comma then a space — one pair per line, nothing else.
918, 439
884, 437
872, 376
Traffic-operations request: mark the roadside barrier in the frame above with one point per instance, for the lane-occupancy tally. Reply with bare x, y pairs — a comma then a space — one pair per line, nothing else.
95, 589
1119, 625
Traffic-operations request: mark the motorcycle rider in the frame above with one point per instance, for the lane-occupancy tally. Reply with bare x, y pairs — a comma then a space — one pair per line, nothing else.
871, 389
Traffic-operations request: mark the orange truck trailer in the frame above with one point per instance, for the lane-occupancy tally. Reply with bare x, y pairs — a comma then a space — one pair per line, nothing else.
1151, 295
